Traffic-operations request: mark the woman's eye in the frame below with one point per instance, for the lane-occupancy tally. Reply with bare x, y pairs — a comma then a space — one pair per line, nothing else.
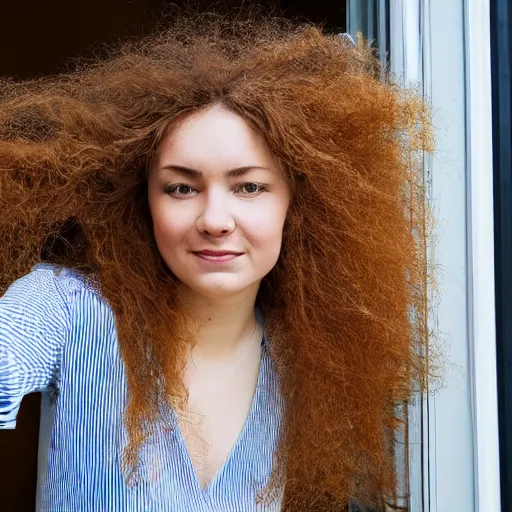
179, 190
251, 188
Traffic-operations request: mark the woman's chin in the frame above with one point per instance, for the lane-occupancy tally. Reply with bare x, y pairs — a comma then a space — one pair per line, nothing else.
221, 288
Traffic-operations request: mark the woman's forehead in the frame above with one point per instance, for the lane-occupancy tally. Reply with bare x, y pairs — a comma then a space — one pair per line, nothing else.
214, 138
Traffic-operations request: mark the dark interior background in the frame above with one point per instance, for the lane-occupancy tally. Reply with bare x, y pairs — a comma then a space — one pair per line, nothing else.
40, 37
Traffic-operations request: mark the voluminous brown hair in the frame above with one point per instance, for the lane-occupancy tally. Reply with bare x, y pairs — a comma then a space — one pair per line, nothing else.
345, 304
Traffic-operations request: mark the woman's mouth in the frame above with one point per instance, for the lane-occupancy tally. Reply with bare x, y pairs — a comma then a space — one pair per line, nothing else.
217, 256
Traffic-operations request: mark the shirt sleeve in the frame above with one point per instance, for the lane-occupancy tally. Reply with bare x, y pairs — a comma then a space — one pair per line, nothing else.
34, 323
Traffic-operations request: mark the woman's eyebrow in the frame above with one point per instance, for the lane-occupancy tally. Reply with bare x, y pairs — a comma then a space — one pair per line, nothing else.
193, 173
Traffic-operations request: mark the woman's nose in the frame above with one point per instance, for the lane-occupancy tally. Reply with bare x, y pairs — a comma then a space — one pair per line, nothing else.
216, 219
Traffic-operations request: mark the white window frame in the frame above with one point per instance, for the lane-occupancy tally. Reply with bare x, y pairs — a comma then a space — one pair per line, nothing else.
444, 46
481, 255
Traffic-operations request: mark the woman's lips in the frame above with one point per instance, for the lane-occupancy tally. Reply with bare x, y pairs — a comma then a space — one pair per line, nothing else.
217, 256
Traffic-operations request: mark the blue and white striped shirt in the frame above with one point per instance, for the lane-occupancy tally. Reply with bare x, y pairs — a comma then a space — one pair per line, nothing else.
58, 336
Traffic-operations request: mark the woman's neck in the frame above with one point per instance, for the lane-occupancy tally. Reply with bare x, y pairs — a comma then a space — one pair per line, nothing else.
228, 323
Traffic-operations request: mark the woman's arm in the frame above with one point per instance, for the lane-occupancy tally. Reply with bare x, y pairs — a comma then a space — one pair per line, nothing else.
34, 323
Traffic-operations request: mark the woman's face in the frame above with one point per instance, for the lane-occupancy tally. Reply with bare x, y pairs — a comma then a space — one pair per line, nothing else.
218, 201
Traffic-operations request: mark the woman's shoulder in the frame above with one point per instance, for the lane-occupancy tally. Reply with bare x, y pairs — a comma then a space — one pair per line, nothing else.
53, 283
62, 275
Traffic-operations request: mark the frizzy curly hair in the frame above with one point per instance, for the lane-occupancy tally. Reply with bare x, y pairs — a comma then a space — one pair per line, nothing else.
345, 304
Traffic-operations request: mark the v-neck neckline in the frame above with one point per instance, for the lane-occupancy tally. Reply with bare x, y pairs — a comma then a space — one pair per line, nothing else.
243, 434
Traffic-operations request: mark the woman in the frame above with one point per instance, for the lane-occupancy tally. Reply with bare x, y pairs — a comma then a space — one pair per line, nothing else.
211, 247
